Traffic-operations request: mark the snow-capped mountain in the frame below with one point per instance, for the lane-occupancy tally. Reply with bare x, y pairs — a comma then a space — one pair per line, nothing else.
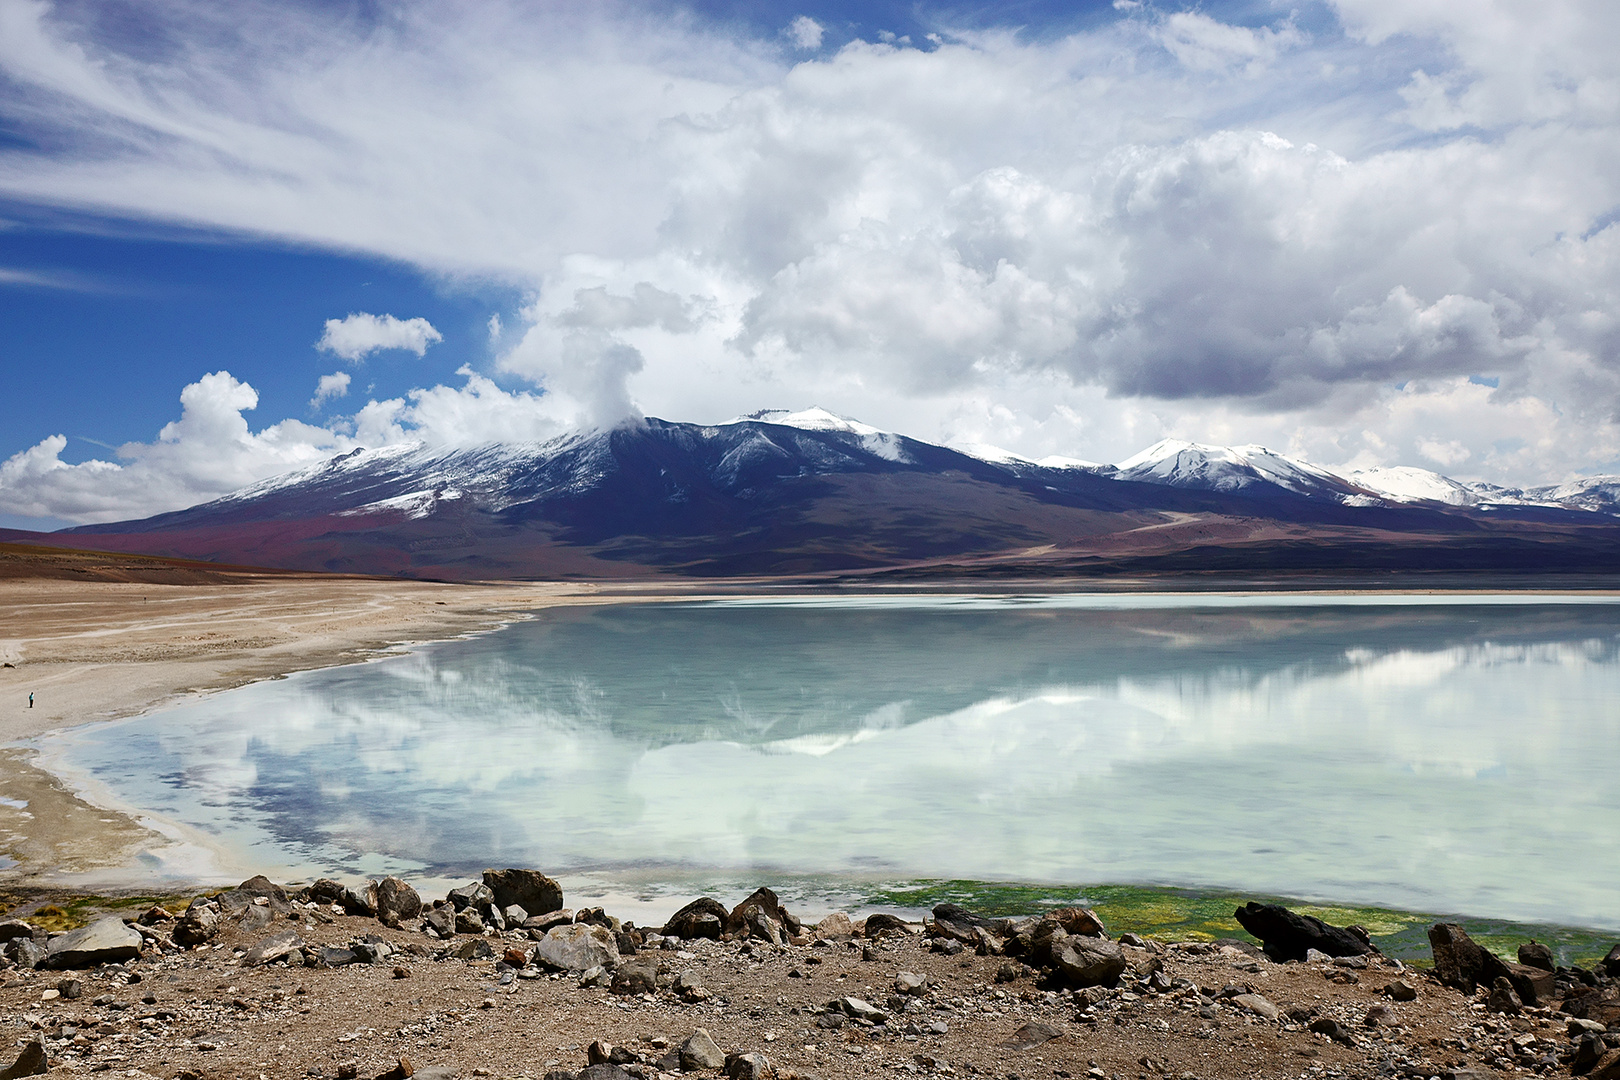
810, 491
1231, 469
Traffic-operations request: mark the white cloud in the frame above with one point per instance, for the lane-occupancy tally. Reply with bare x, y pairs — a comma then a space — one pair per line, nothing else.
211, 450
805, 33
361, 333
335, 385
1165, 224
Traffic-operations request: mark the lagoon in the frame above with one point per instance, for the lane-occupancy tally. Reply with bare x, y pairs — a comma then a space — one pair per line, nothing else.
1448, 754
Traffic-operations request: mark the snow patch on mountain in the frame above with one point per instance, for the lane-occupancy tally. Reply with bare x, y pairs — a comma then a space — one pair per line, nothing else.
1177, 463
995, 455
1404, 484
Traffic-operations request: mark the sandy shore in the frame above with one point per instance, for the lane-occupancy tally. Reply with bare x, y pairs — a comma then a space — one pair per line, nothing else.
95, 650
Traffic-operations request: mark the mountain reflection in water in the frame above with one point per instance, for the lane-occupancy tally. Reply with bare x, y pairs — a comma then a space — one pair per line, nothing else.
1457, 757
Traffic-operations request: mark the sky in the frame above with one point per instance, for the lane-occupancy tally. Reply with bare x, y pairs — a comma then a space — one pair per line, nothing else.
239, 238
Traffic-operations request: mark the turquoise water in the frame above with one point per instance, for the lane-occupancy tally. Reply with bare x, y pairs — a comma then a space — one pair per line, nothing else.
1453, 755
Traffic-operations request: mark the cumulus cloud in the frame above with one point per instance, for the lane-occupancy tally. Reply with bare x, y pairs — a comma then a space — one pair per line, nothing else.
1187, 223
805, 33
335, 385
360, 334
211, 450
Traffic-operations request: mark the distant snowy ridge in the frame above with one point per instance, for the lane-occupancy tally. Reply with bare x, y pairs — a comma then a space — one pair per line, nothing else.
415, 480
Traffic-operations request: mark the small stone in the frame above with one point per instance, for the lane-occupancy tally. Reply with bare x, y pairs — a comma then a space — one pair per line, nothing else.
836, 925
1401, 990
700, 1052
749, 1067
1325, 1025
1031, 1035
348, 1070
468, 921
1378, 1016
1256, 1004
910, 984
473, 895
70, 989
1503, 998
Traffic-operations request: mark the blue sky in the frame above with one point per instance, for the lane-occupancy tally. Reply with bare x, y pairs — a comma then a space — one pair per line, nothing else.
1364, 232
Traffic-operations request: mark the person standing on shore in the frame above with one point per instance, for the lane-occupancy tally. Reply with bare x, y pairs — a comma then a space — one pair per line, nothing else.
30, 699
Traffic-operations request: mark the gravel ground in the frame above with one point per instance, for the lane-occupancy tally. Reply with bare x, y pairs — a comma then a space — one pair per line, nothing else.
206, 1013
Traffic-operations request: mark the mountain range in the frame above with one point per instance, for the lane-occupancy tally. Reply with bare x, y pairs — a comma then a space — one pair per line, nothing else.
812, 493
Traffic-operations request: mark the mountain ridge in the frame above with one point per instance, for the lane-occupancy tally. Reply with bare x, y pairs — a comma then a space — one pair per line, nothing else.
814, 493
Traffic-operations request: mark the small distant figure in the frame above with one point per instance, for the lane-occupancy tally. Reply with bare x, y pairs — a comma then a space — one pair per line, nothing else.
30, 699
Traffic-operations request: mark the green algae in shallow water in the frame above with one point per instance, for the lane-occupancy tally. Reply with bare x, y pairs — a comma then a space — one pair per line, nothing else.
1207, 915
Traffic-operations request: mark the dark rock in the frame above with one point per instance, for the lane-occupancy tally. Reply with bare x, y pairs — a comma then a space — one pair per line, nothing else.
639, 976
360, 902
235, 901
1534, 985
473, 895
880, 923
198, 925
255, 918
1326, 1025
528, 889
704, 917
468, 921
396, 902
1502, 998
11, 929
1401, 990
1031, 1035
1611, 963
765, 901
324, 891
1459, 961
1078, 920
1087, 961
1588, 1052
1607, 1068
1287, 935
958, 923
749, 1067
273, 948
105, 941
542, 923
493, 917
1536, 955
601, 1072
441, 920
338, 956
70, 989
472, 949
699, 1052
25, 952
31, 1062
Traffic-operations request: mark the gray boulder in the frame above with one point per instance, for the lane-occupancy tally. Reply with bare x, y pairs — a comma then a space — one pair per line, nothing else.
515, 915
542, 923
472, 895
764, 901
199, 924
1085, 961
528, 889
105, 941
699, 1052
235, 901
441, 920
577, 948
704, 917
1460, 962
749, 1067
396, 902
25, 952
638, 976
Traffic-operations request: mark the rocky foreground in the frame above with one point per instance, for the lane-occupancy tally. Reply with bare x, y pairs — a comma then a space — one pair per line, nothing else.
499, 980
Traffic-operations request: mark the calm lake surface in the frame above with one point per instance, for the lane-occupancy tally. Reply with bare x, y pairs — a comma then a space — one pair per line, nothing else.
1436, 754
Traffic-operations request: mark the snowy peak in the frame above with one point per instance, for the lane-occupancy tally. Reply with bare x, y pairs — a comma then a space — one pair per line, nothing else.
814, 418
1404, 484
1176, 463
